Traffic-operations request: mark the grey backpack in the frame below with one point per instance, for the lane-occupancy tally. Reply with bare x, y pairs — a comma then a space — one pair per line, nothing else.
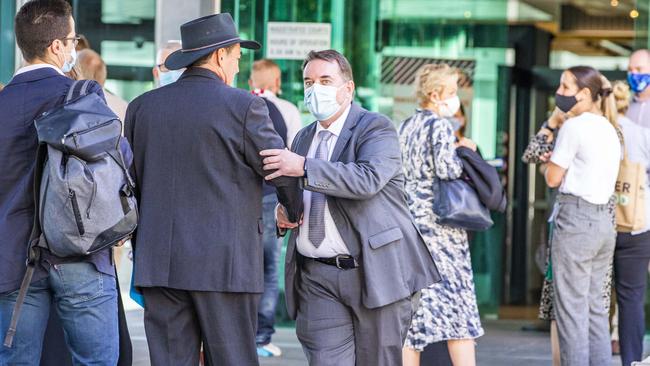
86, 193
82, 188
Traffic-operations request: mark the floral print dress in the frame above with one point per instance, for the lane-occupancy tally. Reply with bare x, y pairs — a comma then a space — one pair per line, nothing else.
448, 309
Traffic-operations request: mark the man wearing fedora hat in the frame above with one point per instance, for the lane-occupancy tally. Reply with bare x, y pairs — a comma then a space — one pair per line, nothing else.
198, 252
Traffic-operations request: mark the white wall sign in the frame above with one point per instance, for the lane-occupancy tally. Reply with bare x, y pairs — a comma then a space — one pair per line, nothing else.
293, 41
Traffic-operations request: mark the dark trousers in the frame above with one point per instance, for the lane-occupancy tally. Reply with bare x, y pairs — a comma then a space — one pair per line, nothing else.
631, 260
272, 249
177, 322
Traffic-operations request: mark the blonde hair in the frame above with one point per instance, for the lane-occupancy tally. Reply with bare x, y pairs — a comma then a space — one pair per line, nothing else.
608, 102
622, 95
430, 78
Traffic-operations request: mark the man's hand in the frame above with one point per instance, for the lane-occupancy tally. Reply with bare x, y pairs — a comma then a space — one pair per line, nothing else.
288, 164
282, 218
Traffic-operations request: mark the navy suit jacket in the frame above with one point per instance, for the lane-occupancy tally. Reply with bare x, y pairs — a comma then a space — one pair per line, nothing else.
25, 98
196, 146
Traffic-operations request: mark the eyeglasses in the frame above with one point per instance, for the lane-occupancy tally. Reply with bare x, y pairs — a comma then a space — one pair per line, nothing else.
162, 68
75, 40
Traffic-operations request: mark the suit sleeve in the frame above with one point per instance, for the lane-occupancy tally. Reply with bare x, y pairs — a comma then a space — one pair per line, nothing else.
378, 161
129, 127
259, 135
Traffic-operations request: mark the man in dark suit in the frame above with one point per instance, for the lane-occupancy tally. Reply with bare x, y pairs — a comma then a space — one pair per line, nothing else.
355, 261
83, 290
198, 251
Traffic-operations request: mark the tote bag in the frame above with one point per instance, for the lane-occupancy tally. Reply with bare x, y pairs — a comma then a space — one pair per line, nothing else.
630, 194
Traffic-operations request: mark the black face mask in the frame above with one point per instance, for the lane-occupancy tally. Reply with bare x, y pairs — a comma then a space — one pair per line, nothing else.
565, 103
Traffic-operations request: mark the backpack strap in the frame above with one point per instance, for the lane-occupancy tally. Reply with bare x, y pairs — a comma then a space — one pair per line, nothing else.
33, 251
129, 188
81, 86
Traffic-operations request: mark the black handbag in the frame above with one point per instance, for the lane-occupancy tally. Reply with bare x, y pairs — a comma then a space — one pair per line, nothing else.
457, 204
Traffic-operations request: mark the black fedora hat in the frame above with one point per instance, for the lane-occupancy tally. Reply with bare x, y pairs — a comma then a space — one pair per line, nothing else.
204, 35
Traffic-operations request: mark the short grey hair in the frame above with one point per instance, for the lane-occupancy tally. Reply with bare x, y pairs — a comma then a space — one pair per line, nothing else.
170, 46
331, 56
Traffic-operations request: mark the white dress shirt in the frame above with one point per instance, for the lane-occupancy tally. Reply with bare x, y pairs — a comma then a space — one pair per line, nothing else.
333, 244
36, 67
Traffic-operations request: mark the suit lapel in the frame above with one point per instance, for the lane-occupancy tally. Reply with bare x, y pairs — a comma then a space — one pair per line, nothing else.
346, 132
304, 143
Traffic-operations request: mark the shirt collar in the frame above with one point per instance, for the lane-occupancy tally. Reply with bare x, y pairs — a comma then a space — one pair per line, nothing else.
337, 126
33, 67
635, 99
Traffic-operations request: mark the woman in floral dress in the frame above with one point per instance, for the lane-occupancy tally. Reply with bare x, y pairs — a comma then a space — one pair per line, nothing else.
447, 310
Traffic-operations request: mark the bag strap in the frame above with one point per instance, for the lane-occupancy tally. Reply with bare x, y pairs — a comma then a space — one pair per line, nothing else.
81, 85
621, 139
33, 251
129, 189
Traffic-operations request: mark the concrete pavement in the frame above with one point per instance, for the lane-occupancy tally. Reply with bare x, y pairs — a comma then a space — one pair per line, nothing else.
504, 344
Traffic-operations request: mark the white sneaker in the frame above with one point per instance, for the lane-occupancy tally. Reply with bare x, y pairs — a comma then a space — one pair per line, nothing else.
269, 350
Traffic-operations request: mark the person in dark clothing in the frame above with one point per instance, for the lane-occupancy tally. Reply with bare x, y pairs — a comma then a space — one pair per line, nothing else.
272, 244
632, 253
82, 289
198, 250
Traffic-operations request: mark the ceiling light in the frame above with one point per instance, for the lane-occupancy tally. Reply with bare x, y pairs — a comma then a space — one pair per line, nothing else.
634, 14
614, 2
467, 14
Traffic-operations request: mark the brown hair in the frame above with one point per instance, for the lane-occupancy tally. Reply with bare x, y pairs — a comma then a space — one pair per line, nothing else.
600, 89
91, 66
430, 78
331, 56
38, 23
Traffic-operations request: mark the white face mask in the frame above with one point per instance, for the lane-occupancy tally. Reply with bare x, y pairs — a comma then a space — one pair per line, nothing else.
448, 107
168, 77
321, 101
68, 65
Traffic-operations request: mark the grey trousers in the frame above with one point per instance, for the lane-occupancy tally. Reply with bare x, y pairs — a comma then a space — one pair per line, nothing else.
177, 322
334, 327
582, 250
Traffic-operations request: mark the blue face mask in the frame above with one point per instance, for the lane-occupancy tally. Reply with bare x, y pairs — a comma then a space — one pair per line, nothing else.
68, 65
638, 82
166, 78
321, 101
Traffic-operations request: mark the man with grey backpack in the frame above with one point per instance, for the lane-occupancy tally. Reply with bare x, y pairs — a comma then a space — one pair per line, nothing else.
65, 198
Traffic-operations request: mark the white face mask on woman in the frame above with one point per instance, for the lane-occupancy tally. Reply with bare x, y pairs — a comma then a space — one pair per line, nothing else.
448, 107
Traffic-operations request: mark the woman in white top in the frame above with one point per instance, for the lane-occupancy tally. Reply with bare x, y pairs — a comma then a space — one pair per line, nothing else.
584, 164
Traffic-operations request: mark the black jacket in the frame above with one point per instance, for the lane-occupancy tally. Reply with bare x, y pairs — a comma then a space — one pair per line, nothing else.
196, 147
484, 178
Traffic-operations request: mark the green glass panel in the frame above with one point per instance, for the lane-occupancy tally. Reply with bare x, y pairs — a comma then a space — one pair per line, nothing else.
7, 40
